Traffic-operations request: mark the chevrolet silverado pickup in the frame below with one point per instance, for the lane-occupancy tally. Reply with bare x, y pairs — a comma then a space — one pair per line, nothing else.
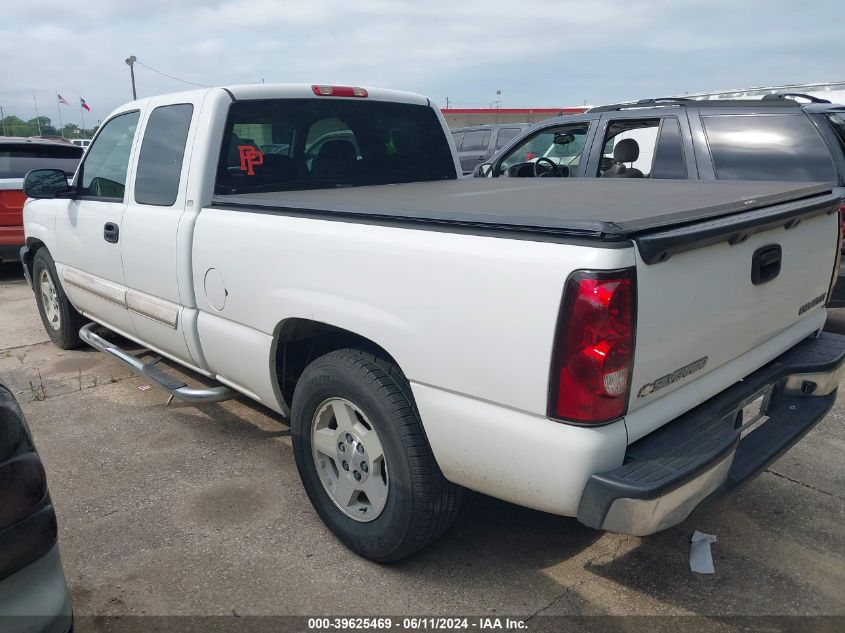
614, 351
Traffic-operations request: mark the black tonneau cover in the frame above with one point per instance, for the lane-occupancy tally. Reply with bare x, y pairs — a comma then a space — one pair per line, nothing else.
592, 208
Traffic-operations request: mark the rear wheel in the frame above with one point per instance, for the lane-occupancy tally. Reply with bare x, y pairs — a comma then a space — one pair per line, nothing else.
364, 459
60, 318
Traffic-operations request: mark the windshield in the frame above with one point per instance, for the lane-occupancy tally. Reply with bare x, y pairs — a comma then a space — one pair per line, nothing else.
295, 144
17, 159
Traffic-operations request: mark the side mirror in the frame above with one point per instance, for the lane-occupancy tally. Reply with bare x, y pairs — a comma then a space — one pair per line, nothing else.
482, 171
46, 183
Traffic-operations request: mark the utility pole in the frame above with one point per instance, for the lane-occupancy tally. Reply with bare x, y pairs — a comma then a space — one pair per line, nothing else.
130, 61
59, 110
3, 117
37, 117
447, 103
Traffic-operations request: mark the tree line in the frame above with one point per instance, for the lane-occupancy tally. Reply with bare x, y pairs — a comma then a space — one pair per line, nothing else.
42, 126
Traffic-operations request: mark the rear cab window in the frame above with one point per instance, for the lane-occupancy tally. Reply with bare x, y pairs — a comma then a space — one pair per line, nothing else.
17, 159
162, 150
297, 144
767, 147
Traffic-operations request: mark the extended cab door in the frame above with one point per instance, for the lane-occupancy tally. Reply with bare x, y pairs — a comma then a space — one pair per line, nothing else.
155, 246
89, 228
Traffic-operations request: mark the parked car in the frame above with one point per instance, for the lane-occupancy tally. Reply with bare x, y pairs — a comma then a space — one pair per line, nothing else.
17, 157
478, 143
33, 592
775, 138
440, 333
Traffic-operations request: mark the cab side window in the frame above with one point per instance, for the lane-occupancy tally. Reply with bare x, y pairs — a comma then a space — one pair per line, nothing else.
505, 135
103, 172
629, 148
162, 151
643, 148
475, 140
562, 145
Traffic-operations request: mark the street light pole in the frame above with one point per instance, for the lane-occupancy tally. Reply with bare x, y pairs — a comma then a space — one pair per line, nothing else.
130, 61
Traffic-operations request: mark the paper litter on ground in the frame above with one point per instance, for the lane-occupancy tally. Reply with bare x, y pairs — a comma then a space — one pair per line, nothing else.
700, 558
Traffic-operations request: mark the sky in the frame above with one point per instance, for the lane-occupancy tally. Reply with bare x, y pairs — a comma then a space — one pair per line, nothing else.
543, 53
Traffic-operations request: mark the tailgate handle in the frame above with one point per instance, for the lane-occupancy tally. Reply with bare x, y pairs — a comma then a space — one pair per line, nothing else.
765, 264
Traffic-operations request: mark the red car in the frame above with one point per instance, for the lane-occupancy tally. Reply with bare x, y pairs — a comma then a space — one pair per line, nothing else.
17, 157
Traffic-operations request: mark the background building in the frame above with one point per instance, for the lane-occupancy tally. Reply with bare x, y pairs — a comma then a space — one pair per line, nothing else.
462, 117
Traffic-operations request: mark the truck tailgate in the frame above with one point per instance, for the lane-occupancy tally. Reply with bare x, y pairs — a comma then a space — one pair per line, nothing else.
709, 302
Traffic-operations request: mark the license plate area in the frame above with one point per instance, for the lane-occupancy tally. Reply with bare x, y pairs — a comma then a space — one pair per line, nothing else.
753, 411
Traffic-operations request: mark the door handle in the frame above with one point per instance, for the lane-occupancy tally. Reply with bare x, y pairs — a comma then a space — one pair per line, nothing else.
765, 264
111, 232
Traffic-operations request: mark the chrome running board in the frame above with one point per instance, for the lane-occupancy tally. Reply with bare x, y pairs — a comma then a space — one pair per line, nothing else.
171, 384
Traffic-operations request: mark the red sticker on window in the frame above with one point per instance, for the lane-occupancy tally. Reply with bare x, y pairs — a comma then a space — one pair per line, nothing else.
251, 157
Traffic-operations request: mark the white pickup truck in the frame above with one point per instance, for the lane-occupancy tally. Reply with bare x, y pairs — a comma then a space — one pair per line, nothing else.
586, 348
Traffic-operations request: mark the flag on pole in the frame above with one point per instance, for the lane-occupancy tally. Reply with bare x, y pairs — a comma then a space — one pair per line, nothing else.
62, 100
84, 105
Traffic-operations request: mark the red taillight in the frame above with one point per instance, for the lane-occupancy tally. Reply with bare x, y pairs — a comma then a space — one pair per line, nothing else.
339, 91
594, 347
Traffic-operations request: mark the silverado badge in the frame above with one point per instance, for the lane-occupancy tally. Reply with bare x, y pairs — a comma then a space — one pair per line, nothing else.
675, 376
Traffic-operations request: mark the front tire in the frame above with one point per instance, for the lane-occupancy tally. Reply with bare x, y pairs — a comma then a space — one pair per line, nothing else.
364, 459
60, 318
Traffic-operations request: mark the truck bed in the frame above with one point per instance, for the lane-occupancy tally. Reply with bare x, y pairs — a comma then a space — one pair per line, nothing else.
603, 209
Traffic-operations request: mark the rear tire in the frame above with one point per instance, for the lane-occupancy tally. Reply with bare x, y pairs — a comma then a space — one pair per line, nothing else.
349, 406
60, 318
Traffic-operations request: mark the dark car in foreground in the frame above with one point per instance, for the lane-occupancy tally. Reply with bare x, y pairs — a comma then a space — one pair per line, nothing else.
18, 156
774, 138
33, 591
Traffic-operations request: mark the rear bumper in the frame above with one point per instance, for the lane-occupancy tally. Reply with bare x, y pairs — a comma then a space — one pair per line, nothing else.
701, 456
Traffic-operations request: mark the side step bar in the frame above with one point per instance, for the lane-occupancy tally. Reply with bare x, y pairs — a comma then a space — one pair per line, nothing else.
172, 385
